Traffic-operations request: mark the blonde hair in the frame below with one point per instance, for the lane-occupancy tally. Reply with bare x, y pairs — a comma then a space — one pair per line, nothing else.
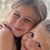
46, 27
38, 5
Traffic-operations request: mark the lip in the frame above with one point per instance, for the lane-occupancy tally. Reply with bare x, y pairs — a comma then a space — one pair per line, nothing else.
18, 29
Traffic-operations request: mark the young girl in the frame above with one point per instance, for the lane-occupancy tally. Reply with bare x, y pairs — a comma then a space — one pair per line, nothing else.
38, 38
24, 15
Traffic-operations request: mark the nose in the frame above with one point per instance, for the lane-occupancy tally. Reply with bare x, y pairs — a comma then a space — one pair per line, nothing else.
30, 44
20, 22
29, 40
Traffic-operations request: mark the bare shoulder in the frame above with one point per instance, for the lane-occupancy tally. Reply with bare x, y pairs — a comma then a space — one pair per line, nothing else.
4, 31
6, 39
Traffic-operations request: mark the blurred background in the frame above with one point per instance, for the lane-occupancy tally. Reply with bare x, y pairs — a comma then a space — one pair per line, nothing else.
5, 6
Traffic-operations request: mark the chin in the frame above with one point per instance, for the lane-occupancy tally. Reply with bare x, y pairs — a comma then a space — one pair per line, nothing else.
17, 35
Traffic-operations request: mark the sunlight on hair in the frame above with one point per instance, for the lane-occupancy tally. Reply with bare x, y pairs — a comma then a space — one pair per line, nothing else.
5, 6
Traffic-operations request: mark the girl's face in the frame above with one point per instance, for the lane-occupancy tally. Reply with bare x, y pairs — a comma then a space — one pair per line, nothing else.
35, 40
22, 19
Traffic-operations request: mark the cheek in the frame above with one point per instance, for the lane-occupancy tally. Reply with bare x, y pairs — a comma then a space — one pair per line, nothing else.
28, 27
31, 45
11, 19
45, 46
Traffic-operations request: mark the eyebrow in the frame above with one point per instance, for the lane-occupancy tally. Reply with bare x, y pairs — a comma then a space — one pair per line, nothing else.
17, 12
20, 13
31, 18
27, 16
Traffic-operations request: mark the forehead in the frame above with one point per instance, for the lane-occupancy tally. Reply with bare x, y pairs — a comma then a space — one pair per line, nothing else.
26, 10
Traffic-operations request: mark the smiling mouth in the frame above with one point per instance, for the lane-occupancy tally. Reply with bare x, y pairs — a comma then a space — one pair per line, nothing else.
18, 29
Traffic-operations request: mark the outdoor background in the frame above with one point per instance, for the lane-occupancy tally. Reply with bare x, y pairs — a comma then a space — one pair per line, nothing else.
6, 4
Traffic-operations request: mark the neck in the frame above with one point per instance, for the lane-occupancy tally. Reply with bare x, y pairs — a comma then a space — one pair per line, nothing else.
18, 42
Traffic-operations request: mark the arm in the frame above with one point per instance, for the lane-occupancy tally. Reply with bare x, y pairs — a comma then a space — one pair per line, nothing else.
6, 39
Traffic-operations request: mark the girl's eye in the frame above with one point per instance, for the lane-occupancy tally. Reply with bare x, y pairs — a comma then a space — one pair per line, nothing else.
32, 34
38, 44
27, 20
16, 15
